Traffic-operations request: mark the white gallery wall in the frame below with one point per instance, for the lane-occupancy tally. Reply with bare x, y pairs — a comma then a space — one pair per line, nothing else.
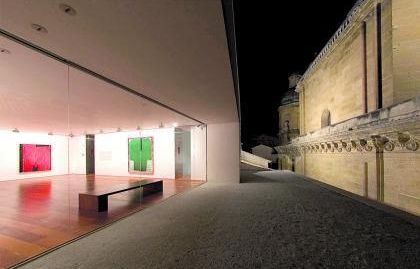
182, 154
68, 155
111, 153
9, 154
77, 155
198, 153
223, 153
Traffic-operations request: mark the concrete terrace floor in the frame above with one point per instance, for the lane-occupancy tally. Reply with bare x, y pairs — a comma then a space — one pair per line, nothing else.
273, 220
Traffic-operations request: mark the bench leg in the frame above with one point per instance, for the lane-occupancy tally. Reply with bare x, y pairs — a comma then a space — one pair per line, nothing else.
153, 188
93, 202
102, 203
136, 195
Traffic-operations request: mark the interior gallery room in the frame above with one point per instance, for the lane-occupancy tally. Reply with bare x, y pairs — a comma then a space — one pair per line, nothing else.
95, 115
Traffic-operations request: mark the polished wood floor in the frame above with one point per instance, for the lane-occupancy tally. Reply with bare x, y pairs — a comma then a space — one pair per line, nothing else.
39, 214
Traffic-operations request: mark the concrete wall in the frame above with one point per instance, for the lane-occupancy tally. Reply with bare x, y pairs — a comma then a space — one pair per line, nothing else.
223, 149
9, 154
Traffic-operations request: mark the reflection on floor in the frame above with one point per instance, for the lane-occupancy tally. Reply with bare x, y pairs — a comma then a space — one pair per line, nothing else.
38, 214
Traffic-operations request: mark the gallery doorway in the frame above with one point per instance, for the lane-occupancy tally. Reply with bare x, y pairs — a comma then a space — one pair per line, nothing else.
90, 154
182, 153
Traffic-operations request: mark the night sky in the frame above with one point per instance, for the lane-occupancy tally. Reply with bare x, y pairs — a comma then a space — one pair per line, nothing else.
274, 40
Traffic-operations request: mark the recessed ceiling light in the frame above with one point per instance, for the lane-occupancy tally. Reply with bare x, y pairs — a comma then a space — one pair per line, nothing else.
5, 51
39, 28
175, 124
67, 9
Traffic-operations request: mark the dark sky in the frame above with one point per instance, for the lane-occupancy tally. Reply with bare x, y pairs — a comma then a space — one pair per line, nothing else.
275, 39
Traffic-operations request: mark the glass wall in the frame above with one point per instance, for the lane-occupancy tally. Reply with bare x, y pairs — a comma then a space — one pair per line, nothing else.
87, 124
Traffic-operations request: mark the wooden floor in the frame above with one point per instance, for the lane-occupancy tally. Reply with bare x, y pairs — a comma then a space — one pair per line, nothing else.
39, 214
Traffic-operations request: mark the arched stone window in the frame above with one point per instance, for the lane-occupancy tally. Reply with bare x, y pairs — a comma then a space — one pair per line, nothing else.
325, 118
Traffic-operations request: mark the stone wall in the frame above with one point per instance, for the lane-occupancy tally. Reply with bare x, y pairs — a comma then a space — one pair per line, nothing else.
402, 180
290, 113
406, 44
357, 172
341, 92
376, 155
370, 148
345, 170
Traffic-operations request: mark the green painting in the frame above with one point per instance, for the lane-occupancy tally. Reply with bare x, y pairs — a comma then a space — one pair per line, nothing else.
140, 152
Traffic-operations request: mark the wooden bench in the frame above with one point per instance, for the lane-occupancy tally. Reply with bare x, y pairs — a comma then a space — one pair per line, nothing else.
97, 200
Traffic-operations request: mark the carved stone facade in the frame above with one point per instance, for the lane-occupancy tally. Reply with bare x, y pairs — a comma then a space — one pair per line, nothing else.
369, 143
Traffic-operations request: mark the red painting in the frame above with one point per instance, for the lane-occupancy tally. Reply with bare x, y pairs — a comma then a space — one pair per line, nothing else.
35, 158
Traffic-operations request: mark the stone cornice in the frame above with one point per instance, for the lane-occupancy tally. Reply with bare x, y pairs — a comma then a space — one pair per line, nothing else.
390, 141
396, 127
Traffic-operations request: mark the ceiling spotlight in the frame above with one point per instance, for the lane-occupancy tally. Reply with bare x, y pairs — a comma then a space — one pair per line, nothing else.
50, 133
5, 51
161, 125
119, 129
71, 135
101, 131
175, 124
67, 9
39, 28
15, 130
138, 128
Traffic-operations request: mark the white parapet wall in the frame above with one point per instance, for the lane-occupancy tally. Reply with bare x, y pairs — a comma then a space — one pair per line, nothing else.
255, 160
223, 147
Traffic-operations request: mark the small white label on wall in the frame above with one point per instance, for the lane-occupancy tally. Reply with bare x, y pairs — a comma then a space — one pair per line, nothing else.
105, 155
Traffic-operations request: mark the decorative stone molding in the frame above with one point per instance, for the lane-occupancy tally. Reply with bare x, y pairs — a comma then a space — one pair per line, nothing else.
393, 128
385, 142
407, 141
289, 150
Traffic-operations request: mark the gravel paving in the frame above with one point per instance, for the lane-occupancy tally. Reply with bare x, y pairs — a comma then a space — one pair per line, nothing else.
274, 219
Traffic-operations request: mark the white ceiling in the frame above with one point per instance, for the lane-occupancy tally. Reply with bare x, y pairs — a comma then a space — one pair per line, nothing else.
39, 94
174, 51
